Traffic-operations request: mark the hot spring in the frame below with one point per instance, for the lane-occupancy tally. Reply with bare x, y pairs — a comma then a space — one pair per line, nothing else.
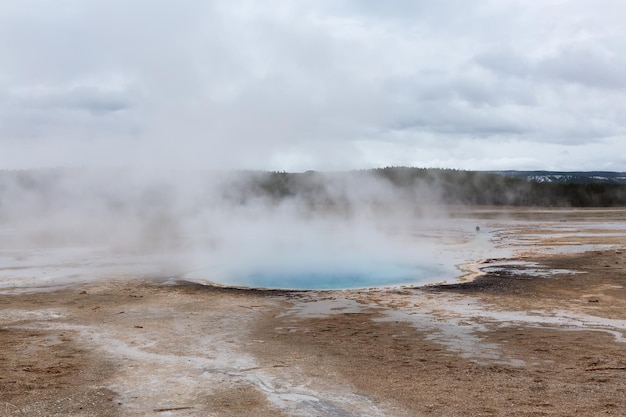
376, 274
409, 259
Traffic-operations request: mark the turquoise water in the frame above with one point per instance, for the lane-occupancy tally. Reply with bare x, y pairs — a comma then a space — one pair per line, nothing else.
384, 275
325, 280
421, 258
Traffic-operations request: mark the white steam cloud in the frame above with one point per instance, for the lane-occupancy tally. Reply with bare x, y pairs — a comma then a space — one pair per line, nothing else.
242, 228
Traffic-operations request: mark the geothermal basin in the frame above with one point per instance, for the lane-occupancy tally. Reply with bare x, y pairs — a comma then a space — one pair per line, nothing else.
94, 330
411, 257
425, 253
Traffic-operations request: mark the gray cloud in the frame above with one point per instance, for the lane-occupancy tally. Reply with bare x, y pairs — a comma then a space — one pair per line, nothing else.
88, 99
587, 67
583, 66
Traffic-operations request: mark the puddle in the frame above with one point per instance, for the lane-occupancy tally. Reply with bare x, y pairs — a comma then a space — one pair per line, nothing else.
523, 268
323, 308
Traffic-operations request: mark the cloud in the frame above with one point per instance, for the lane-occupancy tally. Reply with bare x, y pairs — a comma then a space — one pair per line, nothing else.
304, 85
586, 67
575, 65
90, 99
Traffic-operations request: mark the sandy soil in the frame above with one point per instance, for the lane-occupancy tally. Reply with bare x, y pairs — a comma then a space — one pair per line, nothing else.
546, 338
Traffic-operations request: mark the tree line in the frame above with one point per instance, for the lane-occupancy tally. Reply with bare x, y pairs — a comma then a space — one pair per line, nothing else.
381, 186
446, 186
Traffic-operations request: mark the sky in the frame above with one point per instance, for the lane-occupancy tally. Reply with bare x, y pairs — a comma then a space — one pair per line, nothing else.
313, 84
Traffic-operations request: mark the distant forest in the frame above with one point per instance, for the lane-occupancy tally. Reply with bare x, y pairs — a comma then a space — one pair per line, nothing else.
382, 186
449, 186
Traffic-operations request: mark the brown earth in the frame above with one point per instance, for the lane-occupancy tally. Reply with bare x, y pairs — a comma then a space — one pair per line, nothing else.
130, 347
565, 373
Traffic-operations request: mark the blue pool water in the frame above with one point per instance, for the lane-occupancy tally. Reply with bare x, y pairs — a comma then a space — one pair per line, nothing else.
336, 278
324, 280
411, 260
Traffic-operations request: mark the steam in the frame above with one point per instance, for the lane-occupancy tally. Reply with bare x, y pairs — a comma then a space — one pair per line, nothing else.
226, 227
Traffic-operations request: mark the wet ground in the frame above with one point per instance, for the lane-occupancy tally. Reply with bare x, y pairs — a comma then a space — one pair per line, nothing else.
541, 332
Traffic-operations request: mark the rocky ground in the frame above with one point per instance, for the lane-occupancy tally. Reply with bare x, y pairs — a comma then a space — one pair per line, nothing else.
527, 339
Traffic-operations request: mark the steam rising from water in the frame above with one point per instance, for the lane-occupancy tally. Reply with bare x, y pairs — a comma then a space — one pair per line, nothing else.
343, 230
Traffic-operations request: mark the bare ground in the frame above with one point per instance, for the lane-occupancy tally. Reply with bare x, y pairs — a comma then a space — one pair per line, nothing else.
508, 343
566, 370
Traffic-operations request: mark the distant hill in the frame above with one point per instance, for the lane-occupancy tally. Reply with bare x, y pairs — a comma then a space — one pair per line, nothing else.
565, 177
390, 186
448, 186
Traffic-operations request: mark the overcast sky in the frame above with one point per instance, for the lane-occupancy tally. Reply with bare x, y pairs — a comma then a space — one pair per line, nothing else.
313, 84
